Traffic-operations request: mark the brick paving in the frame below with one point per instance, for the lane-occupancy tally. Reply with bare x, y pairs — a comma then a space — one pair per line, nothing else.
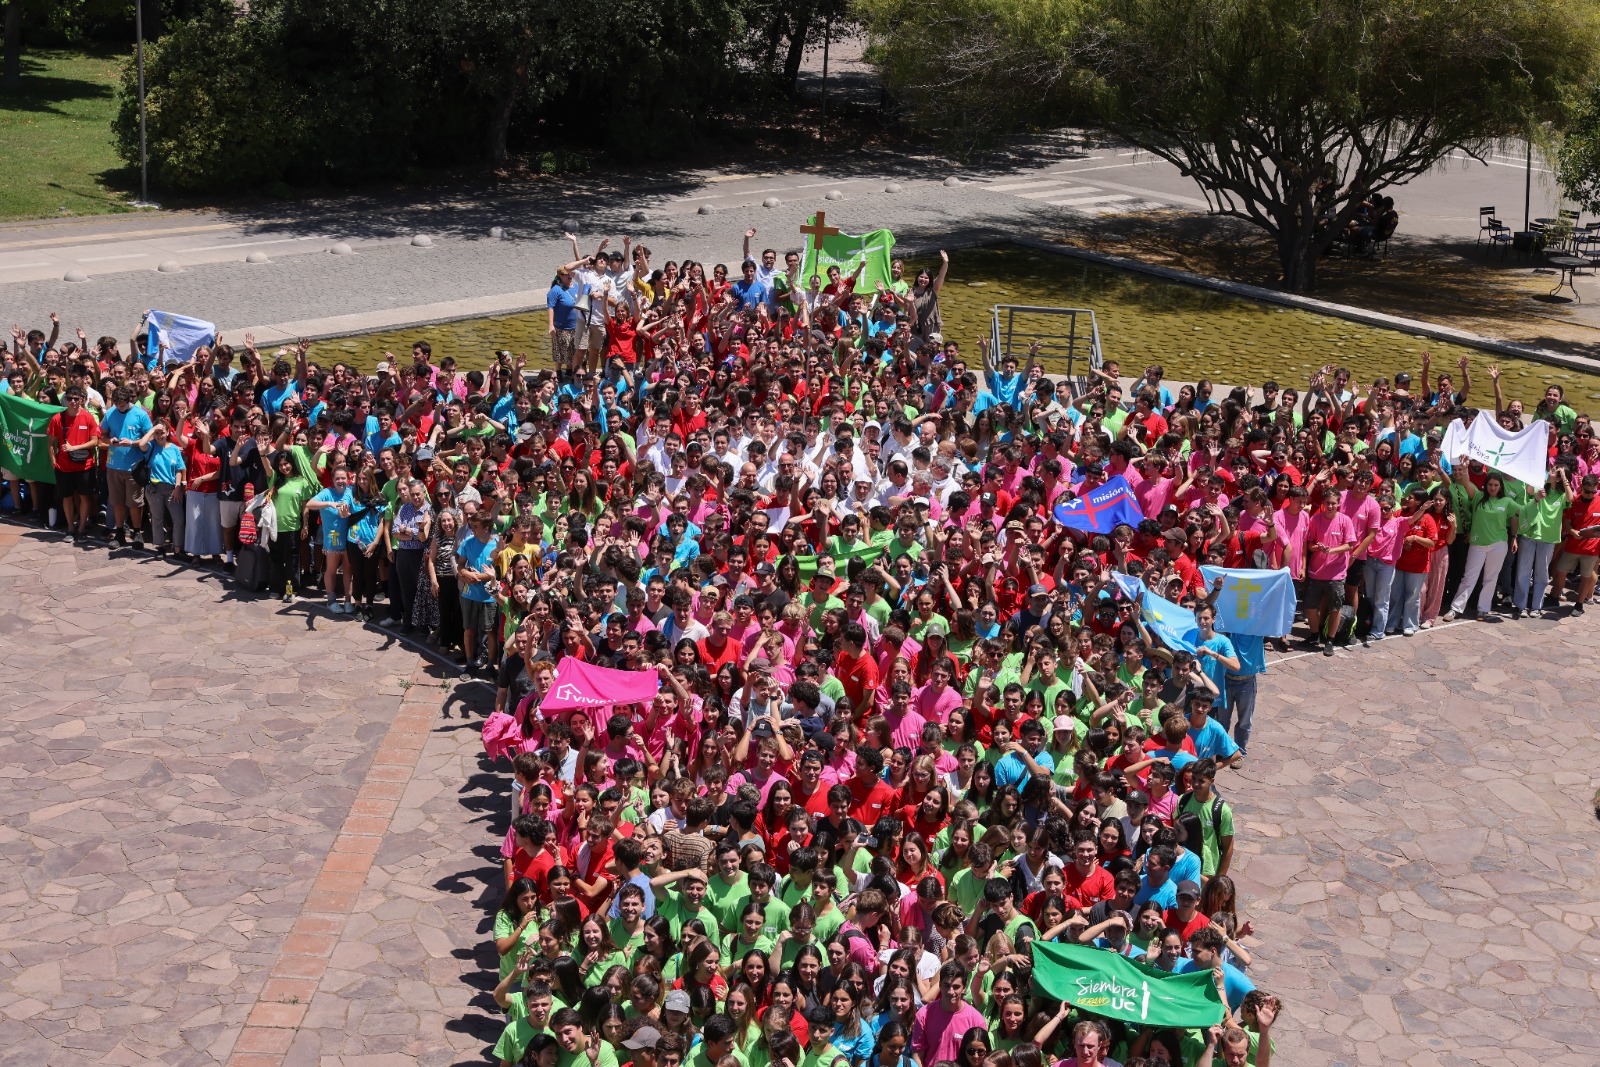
237, 860
1417, 841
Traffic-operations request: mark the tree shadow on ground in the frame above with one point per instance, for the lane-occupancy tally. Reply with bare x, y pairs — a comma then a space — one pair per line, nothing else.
43, 93
1448, 281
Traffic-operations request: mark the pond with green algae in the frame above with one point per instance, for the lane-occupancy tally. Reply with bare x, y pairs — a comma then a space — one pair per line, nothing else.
1192, 332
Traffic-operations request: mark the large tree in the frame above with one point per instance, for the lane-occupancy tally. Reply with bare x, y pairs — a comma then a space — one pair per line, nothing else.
1286, 112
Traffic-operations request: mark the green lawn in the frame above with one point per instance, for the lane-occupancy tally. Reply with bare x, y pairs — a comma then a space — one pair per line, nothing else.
57, 136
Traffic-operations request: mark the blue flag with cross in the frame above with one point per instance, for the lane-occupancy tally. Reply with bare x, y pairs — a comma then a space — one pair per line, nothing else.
1253, 601
1173, 624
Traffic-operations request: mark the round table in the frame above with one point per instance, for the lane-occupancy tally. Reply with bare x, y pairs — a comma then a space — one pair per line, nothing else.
1566, 265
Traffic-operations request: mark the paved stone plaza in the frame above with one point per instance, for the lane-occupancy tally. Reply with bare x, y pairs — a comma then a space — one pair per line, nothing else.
240, 832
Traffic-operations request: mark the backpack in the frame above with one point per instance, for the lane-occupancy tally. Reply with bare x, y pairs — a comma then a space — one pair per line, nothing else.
247, 518
1193, 832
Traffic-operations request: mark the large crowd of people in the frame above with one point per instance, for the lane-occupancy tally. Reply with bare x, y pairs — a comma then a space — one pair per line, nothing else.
907, 723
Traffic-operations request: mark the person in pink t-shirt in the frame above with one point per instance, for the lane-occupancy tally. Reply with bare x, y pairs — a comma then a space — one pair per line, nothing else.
1330, 538
937, 1033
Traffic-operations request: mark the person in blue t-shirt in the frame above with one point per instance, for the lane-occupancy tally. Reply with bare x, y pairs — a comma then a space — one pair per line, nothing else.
751, 293
1213, 652
283, 387
335, 505
1239, 704
562, 302
1210, 740
1003, 379
125, 427
476, 575
1205, 954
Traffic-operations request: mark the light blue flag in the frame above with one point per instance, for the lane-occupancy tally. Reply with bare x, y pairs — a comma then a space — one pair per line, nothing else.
180, 333
1172, 624
1252, 601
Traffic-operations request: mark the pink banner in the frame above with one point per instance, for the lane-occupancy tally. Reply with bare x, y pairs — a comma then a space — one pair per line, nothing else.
584, 685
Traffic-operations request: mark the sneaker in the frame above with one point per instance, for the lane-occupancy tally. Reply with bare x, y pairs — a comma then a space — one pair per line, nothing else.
1379, 637
1327, 647
1366, 640
1448, 616
122, 536
1516, 613
1409, 631
1577, 607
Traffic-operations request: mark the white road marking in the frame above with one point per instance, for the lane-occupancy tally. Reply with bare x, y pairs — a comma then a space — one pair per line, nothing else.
125, 255
1103, 198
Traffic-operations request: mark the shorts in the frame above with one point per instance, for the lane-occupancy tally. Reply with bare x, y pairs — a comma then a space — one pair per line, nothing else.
1357, 572
1584, 564
77, 483
122, 491
563, 346
230, 510
10, 476
591, 335
1319, 588
478, 615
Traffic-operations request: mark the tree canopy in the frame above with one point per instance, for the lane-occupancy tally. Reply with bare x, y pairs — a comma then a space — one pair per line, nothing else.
309, 91
1284, 111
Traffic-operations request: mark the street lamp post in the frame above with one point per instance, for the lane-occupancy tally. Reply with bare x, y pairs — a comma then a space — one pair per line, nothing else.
144, 162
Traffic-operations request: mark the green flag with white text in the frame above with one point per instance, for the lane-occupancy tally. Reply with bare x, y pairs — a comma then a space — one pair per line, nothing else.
1105, 983
845, 251
23, 445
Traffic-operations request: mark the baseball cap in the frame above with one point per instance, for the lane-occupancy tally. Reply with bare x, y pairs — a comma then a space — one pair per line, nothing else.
765, 568
936, 628
646, 1038
1189, 889
1038, 590
1138, 798
424, 454
936, 337
677, 1000
762, 728
988, 498
384, 368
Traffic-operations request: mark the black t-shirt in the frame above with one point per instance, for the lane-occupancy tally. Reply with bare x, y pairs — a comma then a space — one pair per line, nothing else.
513, 677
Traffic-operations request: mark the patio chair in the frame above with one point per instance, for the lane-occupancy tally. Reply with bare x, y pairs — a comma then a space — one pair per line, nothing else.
1500, 234
1486, 223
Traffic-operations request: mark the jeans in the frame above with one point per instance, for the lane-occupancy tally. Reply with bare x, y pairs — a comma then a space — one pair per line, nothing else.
1405, 598
1378, 582
1533, 573
167, 516
1240, 707
1482, 561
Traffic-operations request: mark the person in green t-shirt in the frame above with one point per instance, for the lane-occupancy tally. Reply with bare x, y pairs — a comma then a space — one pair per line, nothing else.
727, 889
527, 1012
578, 1047
1539, 532
686, 902
516, 924
716, 1041
1492, 533
1216, 821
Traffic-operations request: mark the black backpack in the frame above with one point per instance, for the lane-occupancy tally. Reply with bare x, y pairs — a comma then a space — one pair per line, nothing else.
1189, 822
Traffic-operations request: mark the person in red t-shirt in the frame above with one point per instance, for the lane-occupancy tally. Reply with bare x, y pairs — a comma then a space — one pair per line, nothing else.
1580, 546
870, 796
1087, 883
1187, 917
856, 670
1419, 539
74, 438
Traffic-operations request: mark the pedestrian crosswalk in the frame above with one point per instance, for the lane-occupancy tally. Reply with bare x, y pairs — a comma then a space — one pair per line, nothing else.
1063, 190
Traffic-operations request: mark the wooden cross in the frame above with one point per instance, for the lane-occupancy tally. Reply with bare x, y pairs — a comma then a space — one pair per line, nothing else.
819, 230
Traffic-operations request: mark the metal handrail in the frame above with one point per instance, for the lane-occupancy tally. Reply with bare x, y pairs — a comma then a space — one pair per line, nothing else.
1002, 343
